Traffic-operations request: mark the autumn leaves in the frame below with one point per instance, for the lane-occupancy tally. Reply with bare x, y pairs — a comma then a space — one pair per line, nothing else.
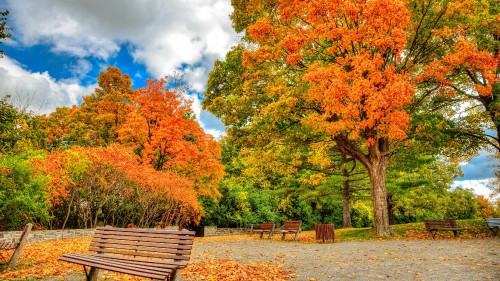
129, 157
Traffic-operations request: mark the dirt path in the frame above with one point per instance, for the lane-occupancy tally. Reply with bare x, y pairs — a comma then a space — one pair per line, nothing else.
447, 259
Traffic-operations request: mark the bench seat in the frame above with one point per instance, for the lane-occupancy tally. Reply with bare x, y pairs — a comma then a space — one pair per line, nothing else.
150, 253
154, 269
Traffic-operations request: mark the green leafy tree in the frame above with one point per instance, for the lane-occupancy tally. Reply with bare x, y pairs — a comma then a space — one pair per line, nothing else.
23, 197
4, 30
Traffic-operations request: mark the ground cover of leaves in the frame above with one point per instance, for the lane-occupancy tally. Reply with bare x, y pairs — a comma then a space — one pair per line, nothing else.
40, 260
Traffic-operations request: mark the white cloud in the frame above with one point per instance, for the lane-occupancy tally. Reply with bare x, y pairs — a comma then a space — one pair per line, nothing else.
480, 187
167, 35
38, 92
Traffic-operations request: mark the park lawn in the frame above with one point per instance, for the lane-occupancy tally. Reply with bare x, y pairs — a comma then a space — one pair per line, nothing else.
40, 260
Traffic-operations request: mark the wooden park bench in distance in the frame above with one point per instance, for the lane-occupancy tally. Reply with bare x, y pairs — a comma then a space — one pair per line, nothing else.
442, 224
267, 227
150, 253
290, 227
493, 224
17, 247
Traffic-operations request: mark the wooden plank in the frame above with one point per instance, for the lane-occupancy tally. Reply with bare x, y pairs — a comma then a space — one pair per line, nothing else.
167, 264
98, 237
7, 245
145, 244
189, 235
139, 254
20, 245
139, 248
116, 267
150, 266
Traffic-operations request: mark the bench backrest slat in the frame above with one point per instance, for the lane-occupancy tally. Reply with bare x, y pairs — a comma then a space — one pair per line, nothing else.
267, 226
292, 225
493, 222
441, 223
164, 244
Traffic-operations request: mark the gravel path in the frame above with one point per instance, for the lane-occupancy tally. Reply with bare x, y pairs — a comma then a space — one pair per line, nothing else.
447, 259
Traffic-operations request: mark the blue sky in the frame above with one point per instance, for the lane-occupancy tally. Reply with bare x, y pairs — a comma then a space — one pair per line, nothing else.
58, 48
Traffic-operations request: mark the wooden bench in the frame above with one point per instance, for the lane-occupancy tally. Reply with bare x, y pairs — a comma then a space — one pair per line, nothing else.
290, 227
17, 247
493, 224
150, 253
442, 224
267, 227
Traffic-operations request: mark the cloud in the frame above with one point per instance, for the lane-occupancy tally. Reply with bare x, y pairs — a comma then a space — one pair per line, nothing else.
38, 92
480, 187
166, 35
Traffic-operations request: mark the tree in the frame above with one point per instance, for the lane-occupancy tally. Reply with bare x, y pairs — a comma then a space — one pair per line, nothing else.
162, 129
105, 110
345, 69
4, 30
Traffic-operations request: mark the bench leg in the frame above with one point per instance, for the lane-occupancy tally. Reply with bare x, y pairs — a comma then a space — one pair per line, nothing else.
296, 236
262, 233
283, 236
270, 235
94, 272
433, 232
455, 234
176, 275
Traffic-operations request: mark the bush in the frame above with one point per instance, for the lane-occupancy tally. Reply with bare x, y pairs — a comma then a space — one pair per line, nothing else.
22, 195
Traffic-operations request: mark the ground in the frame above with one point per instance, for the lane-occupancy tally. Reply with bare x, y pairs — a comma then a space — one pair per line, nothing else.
244, 257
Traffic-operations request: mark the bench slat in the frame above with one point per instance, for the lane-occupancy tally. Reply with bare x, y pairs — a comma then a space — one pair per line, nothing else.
165, 235
138, 254
101, 237
138, 248
162, 263
7, 245
117, 267
155, 246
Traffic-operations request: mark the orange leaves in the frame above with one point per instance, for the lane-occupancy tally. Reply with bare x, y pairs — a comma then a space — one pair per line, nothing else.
41, 259
226, 269
162, 127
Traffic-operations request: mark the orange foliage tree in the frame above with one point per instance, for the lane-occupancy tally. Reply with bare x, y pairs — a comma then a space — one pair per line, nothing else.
90, 178
161, 126
342, 69
105, 109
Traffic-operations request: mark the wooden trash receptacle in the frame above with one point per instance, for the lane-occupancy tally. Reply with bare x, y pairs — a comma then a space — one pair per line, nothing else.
325, 232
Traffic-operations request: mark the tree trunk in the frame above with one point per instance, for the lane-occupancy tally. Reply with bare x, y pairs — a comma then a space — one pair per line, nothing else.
376, 171
346, 200
69, 207
390, 209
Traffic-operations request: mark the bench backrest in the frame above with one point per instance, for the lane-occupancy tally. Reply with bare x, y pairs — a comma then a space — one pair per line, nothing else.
493, 222
267, 226
441, 223
292, 225
255, 226
151, 243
